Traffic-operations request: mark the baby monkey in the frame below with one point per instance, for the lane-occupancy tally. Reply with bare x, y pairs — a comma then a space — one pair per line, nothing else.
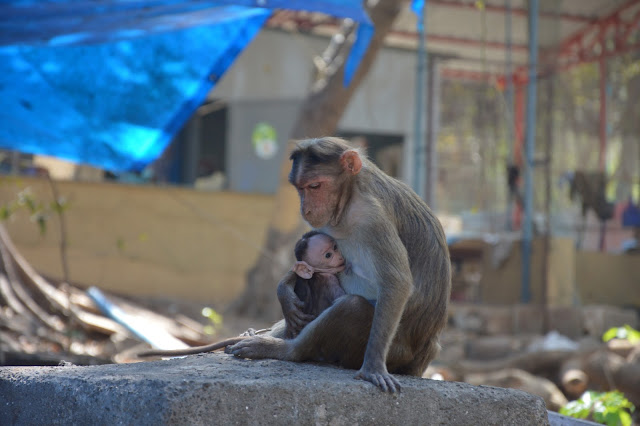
314, 281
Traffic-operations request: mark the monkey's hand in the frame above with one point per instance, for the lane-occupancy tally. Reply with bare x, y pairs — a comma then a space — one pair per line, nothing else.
380, 377
295, 319
259, 347
292, 307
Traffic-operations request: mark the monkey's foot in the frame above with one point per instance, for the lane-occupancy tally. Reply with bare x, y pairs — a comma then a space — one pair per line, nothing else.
382, 379
258, 347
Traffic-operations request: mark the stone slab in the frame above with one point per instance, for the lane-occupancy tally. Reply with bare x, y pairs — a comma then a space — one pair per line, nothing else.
220, 389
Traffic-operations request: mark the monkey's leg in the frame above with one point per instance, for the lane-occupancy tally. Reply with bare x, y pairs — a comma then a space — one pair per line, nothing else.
339, 334
417, 363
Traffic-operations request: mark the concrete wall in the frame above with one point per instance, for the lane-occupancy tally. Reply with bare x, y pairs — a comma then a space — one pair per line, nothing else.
608, 278
502, 284
575, 277
247, 172
278, 65
144, 240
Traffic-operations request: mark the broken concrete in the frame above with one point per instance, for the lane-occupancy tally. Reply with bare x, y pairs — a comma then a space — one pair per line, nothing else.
220, 389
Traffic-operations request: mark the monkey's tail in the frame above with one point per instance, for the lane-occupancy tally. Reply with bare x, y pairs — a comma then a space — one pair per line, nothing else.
193, 350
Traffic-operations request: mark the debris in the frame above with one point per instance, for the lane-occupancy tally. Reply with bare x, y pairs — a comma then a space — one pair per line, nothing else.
42, 324
514, 378
145, 330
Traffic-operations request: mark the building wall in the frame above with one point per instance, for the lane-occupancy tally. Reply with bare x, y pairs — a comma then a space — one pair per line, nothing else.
275, 72
605, 278
145, 240
574, 277
247, 172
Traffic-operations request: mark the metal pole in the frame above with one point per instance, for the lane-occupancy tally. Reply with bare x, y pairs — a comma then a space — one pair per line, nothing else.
420, 128
509, 107
529, 152
433, 125
548, 153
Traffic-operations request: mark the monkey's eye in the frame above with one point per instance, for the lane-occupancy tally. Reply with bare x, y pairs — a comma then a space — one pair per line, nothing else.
314, 185
335, 248
328, 255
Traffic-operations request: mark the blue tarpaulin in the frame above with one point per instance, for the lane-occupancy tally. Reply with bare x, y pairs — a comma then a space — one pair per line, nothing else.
109, 83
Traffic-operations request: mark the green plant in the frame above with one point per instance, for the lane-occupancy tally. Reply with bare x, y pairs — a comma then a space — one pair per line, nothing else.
39, 212
610, 408
627, 333
215, 320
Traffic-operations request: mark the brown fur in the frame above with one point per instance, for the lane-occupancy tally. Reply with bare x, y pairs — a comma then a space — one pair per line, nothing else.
398, 255
192, 350
317, 294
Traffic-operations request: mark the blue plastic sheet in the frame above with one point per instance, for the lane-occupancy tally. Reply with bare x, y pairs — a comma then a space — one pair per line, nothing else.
417, 6
109, 83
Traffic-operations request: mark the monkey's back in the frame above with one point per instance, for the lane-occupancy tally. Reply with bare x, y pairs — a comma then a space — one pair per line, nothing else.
422, 235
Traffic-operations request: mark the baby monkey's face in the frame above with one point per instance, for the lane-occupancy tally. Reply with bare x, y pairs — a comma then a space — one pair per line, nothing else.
323, 252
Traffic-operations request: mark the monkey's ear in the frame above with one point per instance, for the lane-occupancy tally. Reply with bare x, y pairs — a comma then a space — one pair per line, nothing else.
303, 270
351, 161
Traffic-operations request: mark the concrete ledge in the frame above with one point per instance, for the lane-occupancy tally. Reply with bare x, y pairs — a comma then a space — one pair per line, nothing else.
220, 389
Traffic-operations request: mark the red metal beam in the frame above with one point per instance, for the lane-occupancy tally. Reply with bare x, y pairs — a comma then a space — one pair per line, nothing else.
515, 11
584, 46
580, 47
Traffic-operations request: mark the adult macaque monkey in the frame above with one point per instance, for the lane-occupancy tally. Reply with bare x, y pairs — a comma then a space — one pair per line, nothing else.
397, 278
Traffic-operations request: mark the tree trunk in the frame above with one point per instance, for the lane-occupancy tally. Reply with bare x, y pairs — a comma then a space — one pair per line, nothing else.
319, 116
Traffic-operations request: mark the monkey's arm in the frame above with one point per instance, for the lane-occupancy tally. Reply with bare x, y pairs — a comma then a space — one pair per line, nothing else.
193, 350
394, 280
292, 306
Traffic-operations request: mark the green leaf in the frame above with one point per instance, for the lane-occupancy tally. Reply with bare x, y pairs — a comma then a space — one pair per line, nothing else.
41, 220
59, 206
625, 418
120, 244
5, 212
610, 334
578, 409
605, 407
214, 317
627, 332
608, 418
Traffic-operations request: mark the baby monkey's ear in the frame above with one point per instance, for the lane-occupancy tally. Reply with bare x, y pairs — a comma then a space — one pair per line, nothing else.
303, 270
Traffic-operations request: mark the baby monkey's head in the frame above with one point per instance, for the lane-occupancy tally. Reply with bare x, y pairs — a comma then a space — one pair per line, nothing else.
318, 250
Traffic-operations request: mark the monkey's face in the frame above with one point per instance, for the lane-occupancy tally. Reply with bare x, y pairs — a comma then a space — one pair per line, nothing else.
319, 198
323, 252
323, 172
